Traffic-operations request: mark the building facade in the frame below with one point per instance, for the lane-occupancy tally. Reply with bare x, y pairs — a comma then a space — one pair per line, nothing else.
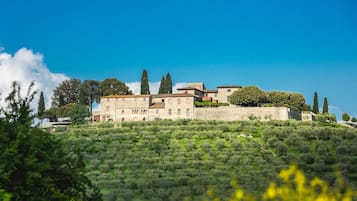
121, 108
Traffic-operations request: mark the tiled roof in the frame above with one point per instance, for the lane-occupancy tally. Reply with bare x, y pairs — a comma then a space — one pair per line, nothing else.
173, 95
126, 96
157, 105
188, 88
210, 91
230, 86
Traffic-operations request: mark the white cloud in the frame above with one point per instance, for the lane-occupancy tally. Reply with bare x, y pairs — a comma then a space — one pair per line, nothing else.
154, 87
26, 66
179, 85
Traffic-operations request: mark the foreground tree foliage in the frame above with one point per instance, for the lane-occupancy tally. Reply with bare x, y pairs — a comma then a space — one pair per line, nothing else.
33, 165
4, 196
293, 186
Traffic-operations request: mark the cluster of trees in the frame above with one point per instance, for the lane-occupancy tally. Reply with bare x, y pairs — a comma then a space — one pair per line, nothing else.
165, 84
253, 96
35, 165
315, 107
86, 92
74, 98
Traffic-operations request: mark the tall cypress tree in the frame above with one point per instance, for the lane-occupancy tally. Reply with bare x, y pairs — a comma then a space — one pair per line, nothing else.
41, 105
325, 106
315, 107
162, 86
168, 84
145, 89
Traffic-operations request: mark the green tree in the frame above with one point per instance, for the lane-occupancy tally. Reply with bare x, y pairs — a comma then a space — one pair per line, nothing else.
354, 119
89, 92
144, 89
34, 165
295, 101
306, 107
248, 96
315, 106
162, 86
41, 105
4, 196
345, 117
66, 92
113, 86
325, 106
168, 84
78, 113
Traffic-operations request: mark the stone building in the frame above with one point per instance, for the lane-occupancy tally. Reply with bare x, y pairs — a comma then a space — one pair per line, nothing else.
122, 108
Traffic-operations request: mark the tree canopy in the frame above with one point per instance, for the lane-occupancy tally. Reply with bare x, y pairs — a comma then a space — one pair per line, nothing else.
315, 106
35, 166
144, 89
325, 106
41, 105
248, 96
168, 84
345, 116
66, 92
89, 92
113, 86
78, 114
162, 86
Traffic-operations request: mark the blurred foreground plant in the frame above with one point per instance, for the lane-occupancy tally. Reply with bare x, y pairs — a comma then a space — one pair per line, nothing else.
293, 186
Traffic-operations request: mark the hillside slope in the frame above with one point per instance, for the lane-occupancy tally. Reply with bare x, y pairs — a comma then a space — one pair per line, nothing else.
172, 160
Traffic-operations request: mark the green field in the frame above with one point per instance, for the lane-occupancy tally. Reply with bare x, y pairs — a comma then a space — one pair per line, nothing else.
173, 160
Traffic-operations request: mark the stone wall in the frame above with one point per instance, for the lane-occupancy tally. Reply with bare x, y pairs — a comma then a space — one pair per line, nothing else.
233, 113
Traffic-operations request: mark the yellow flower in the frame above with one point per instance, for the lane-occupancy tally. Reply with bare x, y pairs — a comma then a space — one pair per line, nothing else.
239, 194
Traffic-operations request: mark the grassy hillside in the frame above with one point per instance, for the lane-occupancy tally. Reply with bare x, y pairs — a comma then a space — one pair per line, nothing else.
172, 160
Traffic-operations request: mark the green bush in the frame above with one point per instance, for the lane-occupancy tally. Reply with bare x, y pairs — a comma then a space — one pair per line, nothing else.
209, 104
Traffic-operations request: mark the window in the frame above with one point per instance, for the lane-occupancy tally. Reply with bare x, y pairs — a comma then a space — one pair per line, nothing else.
187, 112
228, 90
187, 100
123, 99
215, 94
157, 111
122, 112
170, 112
228, 99
144, 99
162, 100
107, 99
108, 108
178, 101
178, 111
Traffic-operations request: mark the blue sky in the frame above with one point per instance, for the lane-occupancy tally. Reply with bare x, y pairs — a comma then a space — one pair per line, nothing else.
301, 46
